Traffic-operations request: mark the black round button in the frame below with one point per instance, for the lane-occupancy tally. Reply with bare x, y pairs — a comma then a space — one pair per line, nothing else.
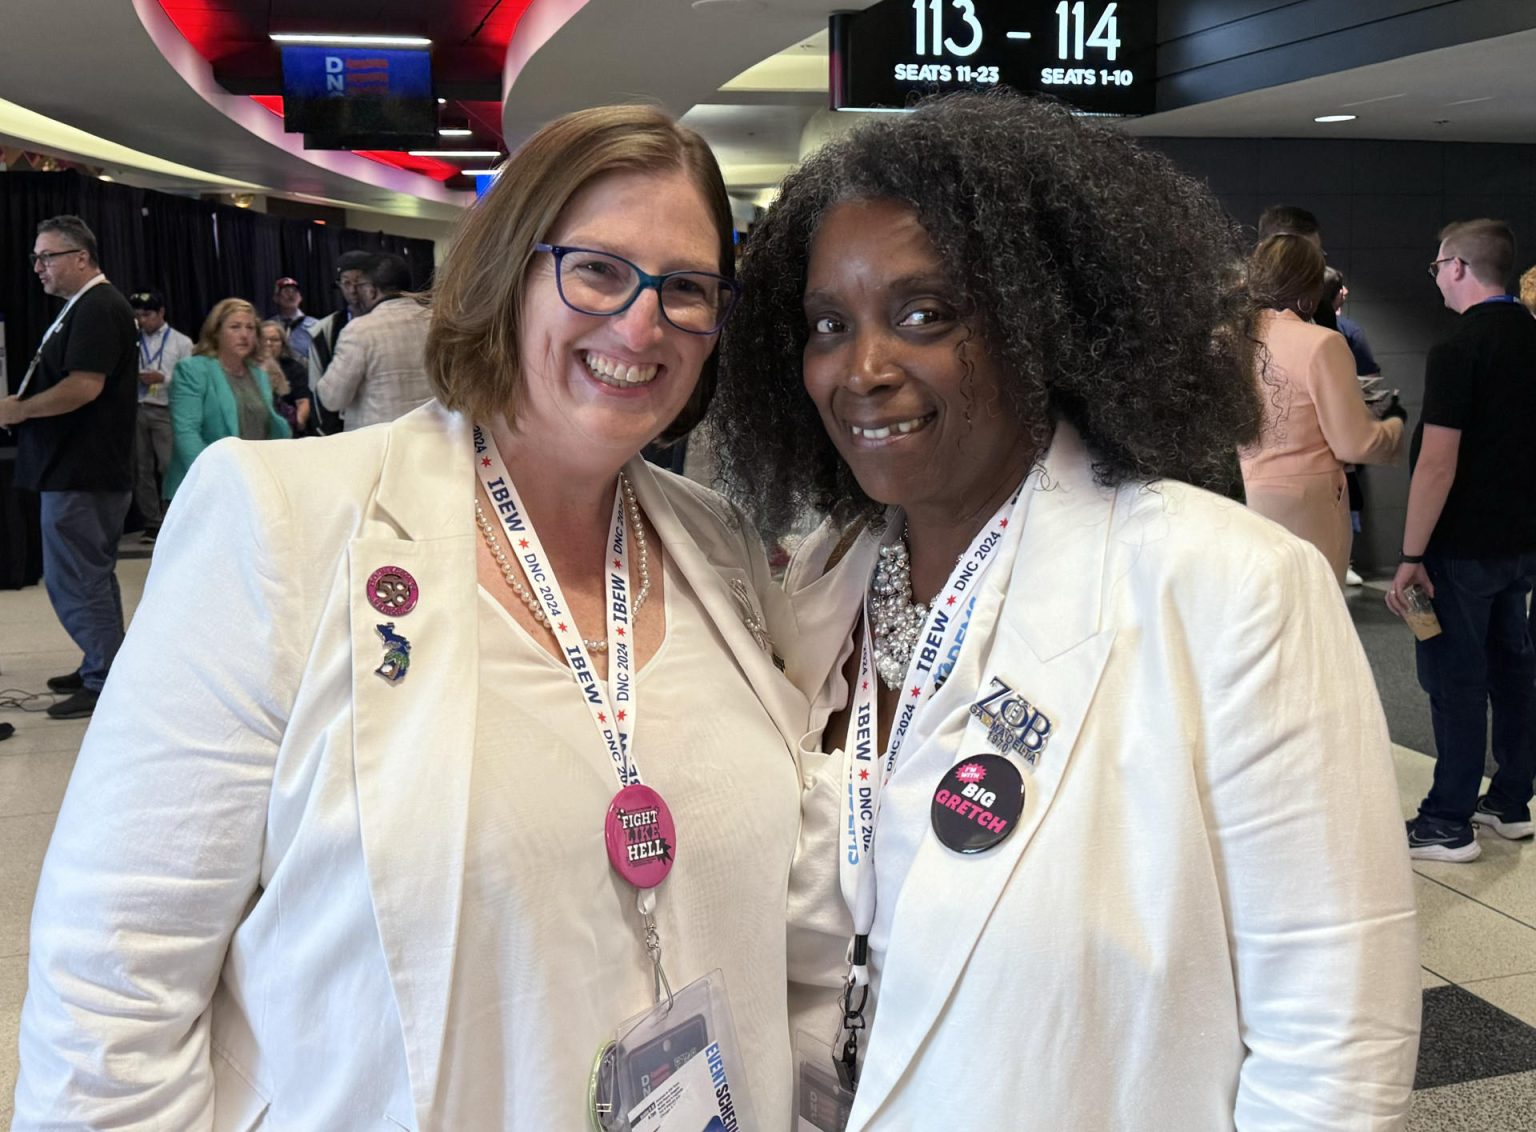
978, 803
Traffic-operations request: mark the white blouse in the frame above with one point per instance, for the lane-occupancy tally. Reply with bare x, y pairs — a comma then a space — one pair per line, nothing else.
535, 990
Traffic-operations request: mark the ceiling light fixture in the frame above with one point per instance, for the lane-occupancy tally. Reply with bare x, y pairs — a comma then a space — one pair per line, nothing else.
455, 132
343, 39
454, 152
1326, 118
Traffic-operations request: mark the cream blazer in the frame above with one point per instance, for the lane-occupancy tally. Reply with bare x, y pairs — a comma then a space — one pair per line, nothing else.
298, 990
1204, 919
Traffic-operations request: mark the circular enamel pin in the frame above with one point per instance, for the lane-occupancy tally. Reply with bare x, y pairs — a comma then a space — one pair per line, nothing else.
640, 836
393, 591
978, 803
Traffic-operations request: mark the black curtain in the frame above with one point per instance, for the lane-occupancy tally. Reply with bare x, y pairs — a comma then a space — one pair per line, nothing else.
194, 252
25, 199
182, 260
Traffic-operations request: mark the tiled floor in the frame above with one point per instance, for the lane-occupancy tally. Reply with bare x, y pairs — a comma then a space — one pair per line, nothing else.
1478, 921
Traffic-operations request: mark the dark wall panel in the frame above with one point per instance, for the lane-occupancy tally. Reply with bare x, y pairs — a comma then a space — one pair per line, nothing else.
1210, 49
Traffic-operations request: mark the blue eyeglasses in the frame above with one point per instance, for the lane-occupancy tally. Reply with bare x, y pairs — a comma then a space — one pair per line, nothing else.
601, 283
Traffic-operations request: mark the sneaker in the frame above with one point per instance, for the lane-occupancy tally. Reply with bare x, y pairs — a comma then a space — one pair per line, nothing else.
1351, 578
1430, 839
73, 682
148, 538
78, 706
1513, 822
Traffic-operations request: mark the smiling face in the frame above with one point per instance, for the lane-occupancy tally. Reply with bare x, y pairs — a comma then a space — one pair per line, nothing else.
905, 387
606, 386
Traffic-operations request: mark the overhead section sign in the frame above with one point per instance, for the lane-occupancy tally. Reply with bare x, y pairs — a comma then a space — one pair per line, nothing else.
1098, 55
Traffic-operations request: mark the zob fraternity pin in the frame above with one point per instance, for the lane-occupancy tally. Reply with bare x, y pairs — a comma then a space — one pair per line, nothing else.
1014, 725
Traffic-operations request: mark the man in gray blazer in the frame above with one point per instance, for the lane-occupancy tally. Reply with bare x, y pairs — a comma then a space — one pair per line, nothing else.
379, 371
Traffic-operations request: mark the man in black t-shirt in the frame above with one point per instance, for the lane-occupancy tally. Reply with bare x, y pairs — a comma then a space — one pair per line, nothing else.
74, 418
1470, 540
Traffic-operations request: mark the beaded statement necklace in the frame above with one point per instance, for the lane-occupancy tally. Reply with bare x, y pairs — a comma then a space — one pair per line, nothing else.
509, 570
896, 620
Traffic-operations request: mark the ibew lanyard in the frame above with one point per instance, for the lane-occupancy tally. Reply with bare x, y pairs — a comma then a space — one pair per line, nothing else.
943, 632
58, 322
614, 727
612, 705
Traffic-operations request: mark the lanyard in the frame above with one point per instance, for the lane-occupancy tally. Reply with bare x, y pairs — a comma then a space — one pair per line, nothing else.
153, 363
37, 357
943, 634
931, 661
612, 706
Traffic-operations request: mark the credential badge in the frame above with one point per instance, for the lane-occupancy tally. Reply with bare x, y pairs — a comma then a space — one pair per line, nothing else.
1014, 725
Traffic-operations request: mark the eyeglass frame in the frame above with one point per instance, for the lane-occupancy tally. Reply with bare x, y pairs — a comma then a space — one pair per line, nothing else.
647, 281
1434, 266
49, 257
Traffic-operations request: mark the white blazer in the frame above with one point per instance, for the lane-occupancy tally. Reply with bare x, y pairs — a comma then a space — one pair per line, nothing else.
245, 698
1204, 917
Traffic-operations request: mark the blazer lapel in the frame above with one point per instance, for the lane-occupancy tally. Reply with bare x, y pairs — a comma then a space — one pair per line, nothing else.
413, 738
228, 410
1044, 642
727, 594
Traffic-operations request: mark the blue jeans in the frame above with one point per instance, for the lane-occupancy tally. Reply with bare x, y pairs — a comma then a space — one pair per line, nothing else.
1483, 656
81, 530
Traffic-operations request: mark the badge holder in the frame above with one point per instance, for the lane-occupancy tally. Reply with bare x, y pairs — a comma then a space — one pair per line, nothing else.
674, 1068
822, 1103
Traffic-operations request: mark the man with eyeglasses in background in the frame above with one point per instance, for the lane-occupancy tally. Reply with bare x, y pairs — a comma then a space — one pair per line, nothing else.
380, 369
73, 415
1469, 539
359, 297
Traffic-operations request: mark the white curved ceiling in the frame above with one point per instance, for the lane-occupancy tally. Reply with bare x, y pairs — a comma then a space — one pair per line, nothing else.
120, 71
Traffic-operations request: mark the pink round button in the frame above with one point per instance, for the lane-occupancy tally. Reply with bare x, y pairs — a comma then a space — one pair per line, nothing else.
392, 590
640, 836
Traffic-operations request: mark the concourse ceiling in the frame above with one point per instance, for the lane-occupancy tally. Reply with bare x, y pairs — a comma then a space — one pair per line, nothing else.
196, 84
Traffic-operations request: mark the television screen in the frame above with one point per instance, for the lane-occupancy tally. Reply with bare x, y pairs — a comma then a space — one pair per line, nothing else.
359, 98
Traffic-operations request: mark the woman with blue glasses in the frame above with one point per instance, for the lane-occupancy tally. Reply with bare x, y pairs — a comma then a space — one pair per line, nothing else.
441, 749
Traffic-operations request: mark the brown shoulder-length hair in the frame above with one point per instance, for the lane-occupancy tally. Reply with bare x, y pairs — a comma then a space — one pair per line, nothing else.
473, 356
208, 338
1285, 272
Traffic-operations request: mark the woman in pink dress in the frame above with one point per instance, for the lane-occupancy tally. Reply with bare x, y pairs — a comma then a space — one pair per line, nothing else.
1315, 420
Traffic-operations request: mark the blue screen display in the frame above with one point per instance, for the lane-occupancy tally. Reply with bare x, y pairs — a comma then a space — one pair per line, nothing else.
356, 72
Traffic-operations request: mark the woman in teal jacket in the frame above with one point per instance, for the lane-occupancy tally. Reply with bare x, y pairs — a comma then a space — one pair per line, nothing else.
219, 391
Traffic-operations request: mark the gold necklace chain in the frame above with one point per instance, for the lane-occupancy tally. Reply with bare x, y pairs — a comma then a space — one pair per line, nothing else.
509, 570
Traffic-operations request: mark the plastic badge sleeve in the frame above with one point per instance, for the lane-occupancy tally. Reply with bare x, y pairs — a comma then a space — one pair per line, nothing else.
821, 1102
677, 1067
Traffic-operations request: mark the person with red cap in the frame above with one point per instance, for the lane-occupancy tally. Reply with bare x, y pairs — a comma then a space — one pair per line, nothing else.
288, 297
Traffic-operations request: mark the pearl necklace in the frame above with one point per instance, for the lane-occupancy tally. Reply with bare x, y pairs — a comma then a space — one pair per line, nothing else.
509, 571
895, 618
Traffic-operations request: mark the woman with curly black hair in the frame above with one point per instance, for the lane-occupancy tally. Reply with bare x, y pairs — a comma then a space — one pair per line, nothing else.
1138, 861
